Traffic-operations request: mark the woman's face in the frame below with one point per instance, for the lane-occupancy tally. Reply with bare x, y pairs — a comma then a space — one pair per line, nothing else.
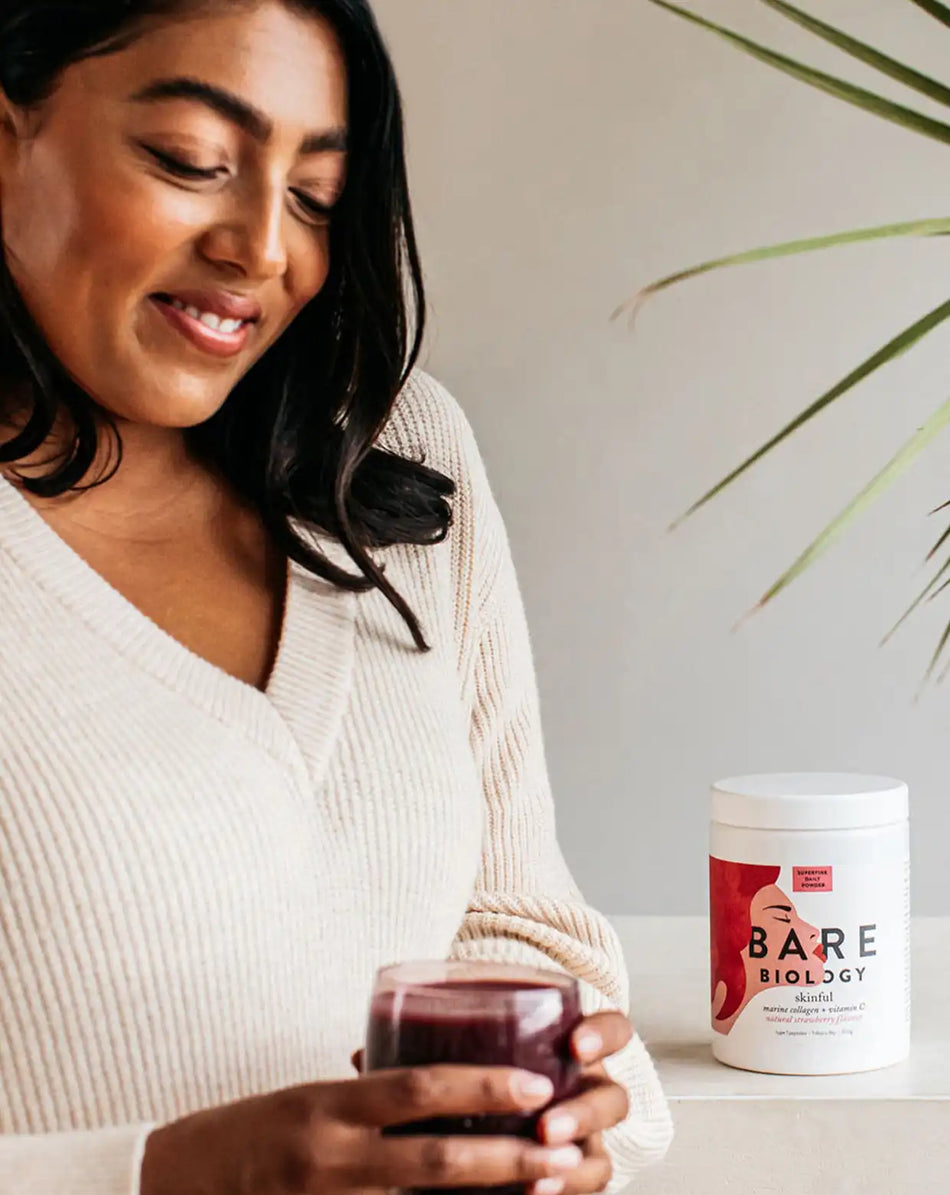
176, 184
775, 914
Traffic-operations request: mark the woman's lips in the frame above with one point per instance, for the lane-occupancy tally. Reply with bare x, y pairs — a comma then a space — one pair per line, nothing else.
210, 340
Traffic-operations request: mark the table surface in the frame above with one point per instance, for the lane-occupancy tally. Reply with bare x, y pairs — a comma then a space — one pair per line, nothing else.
668, 960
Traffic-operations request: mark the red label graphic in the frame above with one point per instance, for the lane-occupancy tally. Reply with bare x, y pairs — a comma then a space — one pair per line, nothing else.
811, 879
758, 940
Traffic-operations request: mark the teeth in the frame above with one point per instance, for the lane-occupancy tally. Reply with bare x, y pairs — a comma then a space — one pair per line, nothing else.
209, 319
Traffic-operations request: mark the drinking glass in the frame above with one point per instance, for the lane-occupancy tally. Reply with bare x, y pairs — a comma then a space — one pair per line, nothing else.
475, 1013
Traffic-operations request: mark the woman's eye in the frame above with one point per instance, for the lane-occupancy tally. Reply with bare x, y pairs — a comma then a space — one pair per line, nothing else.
316, 212
183, 169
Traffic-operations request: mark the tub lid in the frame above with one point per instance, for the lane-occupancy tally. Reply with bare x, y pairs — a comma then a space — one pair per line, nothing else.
809, 801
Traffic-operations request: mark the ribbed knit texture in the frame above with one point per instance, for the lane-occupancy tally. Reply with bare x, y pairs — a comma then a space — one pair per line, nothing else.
199, 880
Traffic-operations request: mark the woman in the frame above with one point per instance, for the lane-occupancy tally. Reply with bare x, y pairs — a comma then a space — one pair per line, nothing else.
749, 904
269, 718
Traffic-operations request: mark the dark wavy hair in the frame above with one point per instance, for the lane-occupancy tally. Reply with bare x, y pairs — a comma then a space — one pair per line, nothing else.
297, 435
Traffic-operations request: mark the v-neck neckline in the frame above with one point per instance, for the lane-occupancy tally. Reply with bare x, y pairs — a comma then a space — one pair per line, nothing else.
299, 710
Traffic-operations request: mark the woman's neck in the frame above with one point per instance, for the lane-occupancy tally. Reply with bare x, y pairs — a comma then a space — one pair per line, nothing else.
159, 488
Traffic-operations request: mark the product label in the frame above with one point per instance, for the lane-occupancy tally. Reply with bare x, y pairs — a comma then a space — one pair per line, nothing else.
809, 960
812, 879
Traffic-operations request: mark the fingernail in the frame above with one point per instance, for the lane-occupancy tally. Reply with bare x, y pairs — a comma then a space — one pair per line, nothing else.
589, 1043
568, 1158
533, 1087
560, 1128
549, 1186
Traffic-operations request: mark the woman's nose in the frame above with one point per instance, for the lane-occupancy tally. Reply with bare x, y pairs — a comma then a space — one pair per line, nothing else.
254, 239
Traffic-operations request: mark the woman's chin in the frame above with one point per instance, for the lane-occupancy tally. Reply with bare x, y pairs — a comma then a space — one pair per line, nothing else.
171, 411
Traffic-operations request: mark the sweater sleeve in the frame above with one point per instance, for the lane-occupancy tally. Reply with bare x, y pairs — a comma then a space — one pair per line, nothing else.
98, 1162
526, 907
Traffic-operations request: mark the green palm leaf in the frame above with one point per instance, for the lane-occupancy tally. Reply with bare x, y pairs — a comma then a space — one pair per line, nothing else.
857, 96
865, 53
930, 591
894, 348
935, 660
878, 484
940, 542
937, 592
910, 228
935, 8
904, 117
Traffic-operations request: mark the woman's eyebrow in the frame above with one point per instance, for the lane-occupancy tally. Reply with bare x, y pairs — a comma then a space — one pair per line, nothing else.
784, 908
235, 109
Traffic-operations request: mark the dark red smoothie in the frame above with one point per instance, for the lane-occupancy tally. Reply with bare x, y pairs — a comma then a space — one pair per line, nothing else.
484, 1022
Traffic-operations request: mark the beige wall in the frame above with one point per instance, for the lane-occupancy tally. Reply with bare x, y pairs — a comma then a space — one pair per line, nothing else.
563, 152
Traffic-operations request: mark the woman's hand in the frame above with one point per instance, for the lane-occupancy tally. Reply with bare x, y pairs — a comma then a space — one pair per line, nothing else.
326, 1138
600, 1105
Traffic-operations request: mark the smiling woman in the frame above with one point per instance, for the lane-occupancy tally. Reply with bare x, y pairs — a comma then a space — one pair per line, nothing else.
212, 186
230, 788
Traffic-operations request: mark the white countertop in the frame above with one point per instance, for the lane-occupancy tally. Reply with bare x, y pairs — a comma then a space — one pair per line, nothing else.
668, 959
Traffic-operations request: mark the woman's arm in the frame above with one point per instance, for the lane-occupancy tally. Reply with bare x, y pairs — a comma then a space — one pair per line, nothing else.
100, 1162
526, 907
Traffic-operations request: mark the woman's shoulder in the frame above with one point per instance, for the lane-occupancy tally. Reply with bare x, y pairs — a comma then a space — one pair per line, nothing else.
428, 423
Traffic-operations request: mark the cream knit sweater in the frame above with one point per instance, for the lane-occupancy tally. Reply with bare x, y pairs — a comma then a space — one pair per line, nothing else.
198, 880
